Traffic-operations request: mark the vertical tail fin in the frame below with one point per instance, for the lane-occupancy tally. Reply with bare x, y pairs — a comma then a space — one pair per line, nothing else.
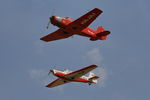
102, 33
100, 29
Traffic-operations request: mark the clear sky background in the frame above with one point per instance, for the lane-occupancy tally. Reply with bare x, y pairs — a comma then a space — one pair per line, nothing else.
123, 59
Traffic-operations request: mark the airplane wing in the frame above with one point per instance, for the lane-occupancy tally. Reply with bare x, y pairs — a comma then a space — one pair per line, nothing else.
81, 72
57, 35
85, 20
57, 82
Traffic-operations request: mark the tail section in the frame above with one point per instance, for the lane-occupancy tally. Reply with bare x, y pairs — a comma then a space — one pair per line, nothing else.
100, 29
102, 33
92, 77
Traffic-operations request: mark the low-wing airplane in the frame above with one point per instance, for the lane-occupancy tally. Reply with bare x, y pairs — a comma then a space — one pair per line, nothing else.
76, 76
68, 27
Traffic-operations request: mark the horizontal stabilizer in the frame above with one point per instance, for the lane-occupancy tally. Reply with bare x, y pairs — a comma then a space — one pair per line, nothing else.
103, 35
94, 77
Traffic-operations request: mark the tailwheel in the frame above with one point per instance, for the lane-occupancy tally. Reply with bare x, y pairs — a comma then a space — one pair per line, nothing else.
90, 84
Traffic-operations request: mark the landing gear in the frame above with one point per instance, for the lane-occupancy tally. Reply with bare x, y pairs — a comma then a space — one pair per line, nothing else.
93, 39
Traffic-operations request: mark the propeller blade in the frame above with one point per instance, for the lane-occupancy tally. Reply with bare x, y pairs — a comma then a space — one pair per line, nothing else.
52, 13
51, 71
48, 24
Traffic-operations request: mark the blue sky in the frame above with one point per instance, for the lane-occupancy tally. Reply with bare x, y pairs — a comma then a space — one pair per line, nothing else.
123, 58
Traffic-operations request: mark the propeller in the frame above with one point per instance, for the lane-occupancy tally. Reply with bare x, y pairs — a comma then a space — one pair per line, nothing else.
51, 71
50, 18
48, 24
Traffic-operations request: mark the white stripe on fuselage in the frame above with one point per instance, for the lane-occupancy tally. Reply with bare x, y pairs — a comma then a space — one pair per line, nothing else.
91, 32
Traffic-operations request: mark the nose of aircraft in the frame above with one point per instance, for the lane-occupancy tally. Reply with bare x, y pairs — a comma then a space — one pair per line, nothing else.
52, 19
51, 71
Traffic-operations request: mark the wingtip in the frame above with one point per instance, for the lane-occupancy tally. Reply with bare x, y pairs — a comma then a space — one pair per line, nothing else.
47, 86
94, 65
42, 39
98, 9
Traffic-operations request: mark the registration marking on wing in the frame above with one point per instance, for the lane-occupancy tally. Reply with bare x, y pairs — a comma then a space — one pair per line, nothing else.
88, 18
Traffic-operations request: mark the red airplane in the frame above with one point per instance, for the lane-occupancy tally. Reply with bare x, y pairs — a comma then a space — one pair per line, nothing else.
76, 76
68, 27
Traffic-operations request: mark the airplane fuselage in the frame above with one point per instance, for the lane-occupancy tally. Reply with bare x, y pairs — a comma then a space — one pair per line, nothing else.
68, 27
64, 22
75, 76
61, 74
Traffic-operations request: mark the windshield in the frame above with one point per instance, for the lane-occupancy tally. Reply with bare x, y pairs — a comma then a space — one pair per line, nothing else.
69, 18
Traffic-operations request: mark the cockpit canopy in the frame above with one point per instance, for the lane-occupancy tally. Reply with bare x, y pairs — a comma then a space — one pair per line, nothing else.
67, 71
69, 18
58, 19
